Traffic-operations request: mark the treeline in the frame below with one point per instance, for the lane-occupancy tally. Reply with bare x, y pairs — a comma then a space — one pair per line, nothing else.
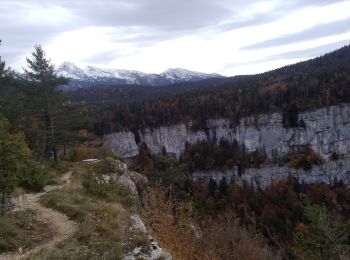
37, 122
221, 156
307, 85
299, 221
302, 221
225, 155
98, 95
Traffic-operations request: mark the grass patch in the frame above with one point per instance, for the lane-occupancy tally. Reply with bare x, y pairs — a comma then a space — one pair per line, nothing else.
55, 171
71, 202
105, 227
109, 191
90, 150
22, 230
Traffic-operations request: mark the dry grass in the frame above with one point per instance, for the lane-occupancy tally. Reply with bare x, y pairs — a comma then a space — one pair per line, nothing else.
88, 150
186, 237
21, 229
104, 230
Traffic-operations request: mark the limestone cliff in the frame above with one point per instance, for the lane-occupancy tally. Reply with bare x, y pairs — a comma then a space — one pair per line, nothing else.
329, 172
325, 130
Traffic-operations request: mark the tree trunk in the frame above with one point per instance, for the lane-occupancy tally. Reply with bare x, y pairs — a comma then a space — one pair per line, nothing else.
3, 203
54, 150
50, 136
64, 151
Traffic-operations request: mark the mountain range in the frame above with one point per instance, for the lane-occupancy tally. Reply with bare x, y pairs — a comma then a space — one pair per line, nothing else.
90, 76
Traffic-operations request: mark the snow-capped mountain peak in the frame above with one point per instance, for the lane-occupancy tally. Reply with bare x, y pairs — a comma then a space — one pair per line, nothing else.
93, 75
176, 74
70, 70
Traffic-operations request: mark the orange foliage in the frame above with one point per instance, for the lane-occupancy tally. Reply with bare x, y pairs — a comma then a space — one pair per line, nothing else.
190, 238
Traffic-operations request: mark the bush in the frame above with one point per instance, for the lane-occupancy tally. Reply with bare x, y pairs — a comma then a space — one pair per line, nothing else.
33, 178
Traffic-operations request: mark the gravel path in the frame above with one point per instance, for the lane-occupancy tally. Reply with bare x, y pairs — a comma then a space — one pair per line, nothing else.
61, 226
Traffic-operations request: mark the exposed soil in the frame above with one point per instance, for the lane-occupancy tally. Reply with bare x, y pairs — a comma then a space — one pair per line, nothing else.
59, 224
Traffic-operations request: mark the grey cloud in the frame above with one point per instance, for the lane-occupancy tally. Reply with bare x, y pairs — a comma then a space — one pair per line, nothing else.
311, 52
315, 32
162, 14
19, 42
295, 55
278, 12
103, 57
156, 20
170, 15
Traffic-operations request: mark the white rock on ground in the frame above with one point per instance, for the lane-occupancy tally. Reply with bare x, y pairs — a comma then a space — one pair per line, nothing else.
154, 250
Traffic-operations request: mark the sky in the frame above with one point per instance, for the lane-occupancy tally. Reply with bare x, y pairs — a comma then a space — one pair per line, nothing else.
229, 37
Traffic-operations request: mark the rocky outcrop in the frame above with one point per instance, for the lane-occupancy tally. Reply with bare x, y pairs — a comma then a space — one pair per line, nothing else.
120, 174
134, 182
122, 144
328, 173
153, 252
324, 130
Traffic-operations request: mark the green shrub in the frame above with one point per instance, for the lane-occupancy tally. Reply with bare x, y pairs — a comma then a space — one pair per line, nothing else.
33, 178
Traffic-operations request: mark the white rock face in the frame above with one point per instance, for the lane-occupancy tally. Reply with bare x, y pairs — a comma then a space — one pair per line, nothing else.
328, 173
122, 144
326, 130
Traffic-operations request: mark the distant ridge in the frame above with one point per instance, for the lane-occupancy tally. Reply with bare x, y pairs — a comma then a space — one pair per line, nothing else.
89, 76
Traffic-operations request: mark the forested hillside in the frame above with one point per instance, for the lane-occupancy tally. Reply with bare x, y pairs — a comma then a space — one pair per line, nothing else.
319, 82
37, 122
97, 95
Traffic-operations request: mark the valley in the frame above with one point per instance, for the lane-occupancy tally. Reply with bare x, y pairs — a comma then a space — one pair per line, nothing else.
119, 164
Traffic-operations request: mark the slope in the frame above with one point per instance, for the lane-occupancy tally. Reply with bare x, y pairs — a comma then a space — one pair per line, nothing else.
312, 84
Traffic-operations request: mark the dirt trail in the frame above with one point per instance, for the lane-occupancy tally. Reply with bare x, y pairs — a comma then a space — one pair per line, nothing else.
60, 225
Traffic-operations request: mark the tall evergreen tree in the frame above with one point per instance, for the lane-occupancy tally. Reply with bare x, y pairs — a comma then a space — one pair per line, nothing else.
11, 98
56, 117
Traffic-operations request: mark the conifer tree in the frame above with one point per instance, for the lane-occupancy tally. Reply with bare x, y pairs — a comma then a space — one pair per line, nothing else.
57, 117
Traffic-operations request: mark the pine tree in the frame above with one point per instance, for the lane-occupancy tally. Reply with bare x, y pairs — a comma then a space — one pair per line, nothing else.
2, 67
11, 99
58, 119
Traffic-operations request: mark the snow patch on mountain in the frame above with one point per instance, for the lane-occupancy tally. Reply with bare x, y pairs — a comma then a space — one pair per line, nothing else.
186, 75
93, 76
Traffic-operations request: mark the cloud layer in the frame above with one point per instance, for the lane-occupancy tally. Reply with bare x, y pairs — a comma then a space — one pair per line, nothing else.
228, 37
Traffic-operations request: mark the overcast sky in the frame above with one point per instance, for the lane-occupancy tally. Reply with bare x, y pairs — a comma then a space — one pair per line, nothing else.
224, 36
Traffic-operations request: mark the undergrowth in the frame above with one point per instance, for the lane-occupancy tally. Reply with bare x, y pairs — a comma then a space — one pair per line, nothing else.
105, 228
22, 230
